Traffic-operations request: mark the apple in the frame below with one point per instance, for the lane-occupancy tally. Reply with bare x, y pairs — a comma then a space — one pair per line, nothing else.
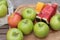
3, 2
14, 19
29, 13
26, 26
41, 29
55, 22
14, 34
3, 10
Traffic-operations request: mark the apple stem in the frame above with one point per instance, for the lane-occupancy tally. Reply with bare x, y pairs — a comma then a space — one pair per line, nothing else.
28, 11
59, 18
15, 34
25, 21
39, 25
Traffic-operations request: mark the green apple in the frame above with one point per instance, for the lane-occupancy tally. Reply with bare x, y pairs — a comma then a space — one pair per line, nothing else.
55, 22
41, 29
26, 26
3, 2
29, 13
3, 10
14, 34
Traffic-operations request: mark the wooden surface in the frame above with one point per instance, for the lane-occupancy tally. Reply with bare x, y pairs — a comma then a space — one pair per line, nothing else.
53, 35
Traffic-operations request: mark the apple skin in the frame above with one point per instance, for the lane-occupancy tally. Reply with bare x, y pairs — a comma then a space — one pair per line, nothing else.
41, 29
14, 34
55, 22
14, 19
3, 10
3, 2
29, 13
26, 26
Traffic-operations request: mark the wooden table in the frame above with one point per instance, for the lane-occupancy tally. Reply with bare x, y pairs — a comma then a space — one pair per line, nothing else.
53, 35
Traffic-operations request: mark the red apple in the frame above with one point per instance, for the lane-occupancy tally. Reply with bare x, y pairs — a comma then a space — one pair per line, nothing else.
14, 19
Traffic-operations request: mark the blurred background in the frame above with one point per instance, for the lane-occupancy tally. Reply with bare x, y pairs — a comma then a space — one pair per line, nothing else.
19, 2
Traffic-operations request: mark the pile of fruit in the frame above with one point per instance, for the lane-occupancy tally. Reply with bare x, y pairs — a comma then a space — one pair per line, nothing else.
26, 21
3, 8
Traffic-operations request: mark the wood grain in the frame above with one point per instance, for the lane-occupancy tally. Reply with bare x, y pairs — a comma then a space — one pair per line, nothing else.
4, 27
2, 31
53, 35
3, 37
